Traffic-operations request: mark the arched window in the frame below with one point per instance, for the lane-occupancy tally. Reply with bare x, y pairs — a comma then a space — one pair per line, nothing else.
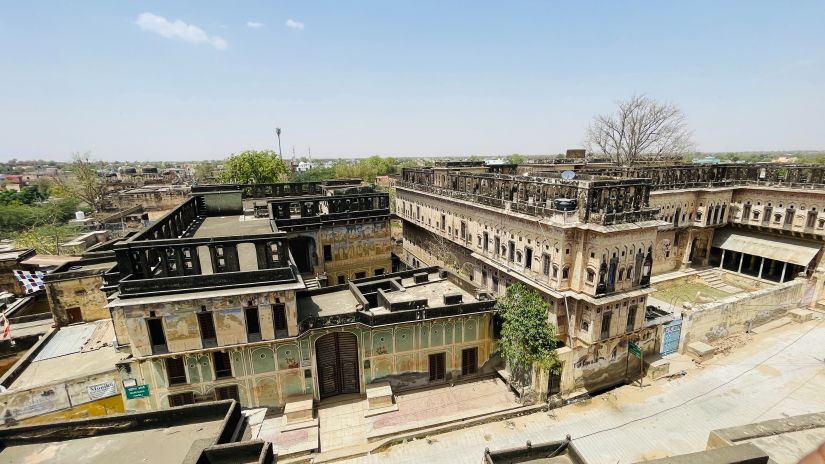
565, 273
591, 275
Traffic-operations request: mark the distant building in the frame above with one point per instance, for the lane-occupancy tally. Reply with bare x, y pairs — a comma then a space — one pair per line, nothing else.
304, 166
707, 160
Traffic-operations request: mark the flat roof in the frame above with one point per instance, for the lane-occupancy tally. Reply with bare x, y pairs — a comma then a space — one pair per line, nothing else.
433, 291
327, 304
86, 348
160, 445
50, 260
225, 226
344, 300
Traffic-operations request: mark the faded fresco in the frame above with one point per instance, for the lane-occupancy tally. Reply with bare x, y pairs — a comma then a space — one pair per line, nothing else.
267, 375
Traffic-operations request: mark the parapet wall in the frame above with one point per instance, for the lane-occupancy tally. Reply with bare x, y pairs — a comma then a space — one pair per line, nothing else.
739, 313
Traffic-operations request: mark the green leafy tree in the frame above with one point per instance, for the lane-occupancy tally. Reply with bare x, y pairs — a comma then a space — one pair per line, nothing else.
254, 167
203, 172
527, 338
47, 238
515, 158
313, 175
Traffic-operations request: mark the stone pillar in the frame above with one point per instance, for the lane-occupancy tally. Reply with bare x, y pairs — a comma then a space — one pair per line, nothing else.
741, 260
722, 260
784, 268
686, 256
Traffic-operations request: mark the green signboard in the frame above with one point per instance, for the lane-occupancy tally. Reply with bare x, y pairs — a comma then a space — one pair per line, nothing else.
136, 391
635, 350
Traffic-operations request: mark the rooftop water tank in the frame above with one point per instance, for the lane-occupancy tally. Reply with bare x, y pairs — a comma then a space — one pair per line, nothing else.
564, 204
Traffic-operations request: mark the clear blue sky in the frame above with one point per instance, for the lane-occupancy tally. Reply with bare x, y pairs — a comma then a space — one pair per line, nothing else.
123, 80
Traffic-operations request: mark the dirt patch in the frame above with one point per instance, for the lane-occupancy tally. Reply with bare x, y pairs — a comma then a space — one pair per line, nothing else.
727, 344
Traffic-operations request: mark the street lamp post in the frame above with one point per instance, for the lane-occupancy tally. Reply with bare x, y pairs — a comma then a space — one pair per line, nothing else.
278, 132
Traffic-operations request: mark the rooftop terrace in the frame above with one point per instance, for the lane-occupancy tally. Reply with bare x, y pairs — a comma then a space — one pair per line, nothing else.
392, 298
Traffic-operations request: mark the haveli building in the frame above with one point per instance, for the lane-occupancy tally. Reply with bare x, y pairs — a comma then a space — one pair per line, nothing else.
590, 239
267, 292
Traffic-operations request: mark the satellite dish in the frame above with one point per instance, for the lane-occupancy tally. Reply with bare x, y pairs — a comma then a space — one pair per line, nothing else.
568, 175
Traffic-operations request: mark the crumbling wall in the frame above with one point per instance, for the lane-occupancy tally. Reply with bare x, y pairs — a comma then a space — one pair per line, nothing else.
92, 395
151, 201
84, 293
739, 313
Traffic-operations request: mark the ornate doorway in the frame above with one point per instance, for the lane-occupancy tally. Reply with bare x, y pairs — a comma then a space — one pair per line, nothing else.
337, 358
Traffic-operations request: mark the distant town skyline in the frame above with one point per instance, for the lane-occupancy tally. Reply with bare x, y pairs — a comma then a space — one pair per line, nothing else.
157, 81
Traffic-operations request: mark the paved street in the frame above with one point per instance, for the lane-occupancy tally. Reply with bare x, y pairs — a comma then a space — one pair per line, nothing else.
778, 374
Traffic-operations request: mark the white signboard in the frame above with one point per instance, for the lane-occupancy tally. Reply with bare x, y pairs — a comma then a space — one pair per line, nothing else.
102, 390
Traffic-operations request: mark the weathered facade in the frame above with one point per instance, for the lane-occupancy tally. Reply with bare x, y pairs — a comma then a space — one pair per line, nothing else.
591, 241
295, 299
75, 291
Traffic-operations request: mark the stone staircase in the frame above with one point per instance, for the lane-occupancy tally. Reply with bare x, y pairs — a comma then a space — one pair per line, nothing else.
311, 282
713, 278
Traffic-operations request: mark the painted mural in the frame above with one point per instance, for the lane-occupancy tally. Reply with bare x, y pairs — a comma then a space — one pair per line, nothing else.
268, 374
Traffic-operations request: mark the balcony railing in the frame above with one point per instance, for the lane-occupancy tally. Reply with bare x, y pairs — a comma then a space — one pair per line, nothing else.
533, 209
132, 288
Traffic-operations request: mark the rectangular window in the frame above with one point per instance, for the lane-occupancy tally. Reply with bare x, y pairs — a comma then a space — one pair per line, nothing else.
229, 392
181, 399
437, 369
545, 264
156, 335
511, 251
223, 367
497, 249
253, 324
469, 361
418, 212
528, 257
327, 252
342, 279
631, 318
463, 233
360, 275
789, 214
485, 241
379, 271
175, 371
811, 219
279, 316
443, 222
207, 326
605, 333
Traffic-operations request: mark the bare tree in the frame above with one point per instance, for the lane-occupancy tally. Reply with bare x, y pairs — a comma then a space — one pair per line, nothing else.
640, 128
86, 185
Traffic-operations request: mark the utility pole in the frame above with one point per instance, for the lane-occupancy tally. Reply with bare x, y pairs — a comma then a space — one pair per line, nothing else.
278, 133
